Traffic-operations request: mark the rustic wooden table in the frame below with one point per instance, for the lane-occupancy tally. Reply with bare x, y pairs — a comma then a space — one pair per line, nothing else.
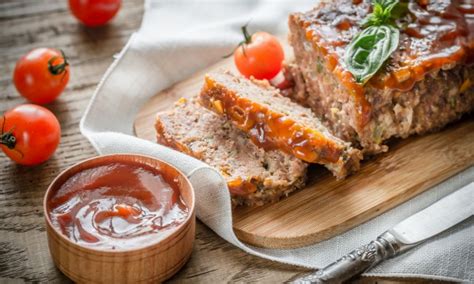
24, 255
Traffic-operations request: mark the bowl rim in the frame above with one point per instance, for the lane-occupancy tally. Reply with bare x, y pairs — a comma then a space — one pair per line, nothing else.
171, 233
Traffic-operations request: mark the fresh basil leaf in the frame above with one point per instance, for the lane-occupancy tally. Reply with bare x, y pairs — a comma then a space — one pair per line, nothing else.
369, 50
398, 10
376, 17
386, 3
385, 12
373, 46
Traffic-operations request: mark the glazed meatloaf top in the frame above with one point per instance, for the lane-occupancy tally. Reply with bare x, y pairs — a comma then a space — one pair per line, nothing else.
434, 35
275, 122
254, 176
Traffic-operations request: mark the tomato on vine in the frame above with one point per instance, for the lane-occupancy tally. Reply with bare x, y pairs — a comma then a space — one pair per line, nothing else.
260, 55
41, 75
29, 134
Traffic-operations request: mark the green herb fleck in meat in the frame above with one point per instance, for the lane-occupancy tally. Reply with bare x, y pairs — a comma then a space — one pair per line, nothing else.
378, 131
452, 102
319, 65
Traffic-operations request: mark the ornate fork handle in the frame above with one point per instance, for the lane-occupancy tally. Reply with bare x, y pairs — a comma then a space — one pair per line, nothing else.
357, 261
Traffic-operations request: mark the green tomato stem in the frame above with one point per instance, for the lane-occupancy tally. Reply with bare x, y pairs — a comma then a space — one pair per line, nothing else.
59, 68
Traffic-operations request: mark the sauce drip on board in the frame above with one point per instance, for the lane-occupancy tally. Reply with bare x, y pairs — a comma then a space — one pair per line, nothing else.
117, 206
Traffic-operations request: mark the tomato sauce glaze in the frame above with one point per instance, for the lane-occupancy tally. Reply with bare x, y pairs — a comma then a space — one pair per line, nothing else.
434, 35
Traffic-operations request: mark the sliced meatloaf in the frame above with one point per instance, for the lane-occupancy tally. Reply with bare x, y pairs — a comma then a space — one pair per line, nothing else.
254, 177
426, 83
275, 122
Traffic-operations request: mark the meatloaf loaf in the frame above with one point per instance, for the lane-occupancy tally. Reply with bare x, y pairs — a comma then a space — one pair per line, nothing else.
275, 122
254, 177
426, 83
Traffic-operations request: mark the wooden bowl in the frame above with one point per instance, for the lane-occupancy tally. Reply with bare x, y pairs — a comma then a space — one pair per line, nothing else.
154, 262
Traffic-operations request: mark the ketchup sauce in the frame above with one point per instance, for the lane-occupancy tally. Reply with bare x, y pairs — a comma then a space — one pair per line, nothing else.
117, 206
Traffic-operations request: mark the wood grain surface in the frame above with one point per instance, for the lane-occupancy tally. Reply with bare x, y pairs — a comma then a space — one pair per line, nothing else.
326, 207
24, 256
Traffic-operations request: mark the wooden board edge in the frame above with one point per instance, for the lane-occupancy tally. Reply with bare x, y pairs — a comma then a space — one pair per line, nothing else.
311, 239
327, 233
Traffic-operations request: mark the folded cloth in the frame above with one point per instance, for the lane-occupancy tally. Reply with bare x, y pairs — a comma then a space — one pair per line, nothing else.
178, 38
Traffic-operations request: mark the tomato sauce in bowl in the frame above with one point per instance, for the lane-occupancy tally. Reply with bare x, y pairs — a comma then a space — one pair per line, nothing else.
120, 218
117, 206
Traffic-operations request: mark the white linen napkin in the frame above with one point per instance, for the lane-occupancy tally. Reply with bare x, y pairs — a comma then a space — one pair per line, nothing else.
180, 37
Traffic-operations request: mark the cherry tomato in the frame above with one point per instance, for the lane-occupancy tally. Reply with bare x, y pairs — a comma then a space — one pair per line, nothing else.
259, 55
41, 75
93, 13
29, 134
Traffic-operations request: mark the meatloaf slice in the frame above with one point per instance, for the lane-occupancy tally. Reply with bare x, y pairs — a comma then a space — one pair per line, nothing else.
254, 177
275, 122
426, 83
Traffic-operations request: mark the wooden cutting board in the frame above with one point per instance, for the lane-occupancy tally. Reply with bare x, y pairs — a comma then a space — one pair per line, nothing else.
327, 207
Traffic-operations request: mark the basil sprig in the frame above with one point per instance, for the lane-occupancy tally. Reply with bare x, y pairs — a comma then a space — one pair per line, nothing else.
377, 41
369, 50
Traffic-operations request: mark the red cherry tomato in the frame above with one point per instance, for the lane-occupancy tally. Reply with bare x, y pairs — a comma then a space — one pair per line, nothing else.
260, 55
41, 75
29, 134
93, 13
